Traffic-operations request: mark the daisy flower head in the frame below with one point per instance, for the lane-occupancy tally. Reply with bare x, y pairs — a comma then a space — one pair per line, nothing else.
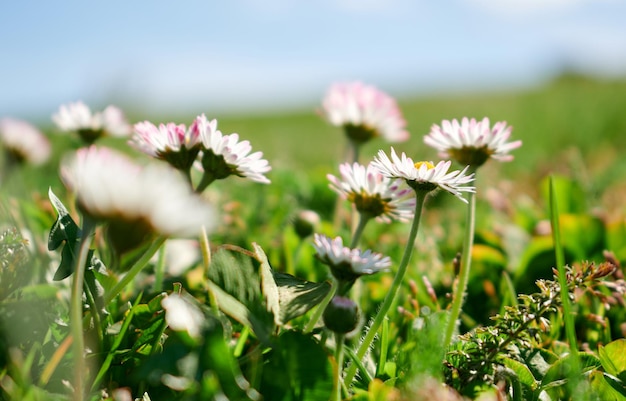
224, 155
348, 264
23, 142
364, 112
424, 176
472, 142
373, 193
169, 142
135, 202
78, 117
182, 314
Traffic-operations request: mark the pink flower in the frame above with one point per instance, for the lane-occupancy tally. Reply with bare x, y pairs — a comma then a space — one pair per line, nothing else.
24, 141
364, 112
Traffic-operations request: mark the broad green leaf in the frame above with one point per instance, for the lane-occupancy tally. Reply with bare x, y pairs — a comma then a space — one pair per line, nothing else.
522, 372
238, 311
560, 370
607, 387
268, 284
297, 368
613, 357
297, 296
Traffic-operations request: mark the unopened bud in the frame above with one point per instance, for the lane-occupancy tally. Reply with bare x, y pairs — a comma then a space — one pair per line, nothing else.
306, 223
341, 315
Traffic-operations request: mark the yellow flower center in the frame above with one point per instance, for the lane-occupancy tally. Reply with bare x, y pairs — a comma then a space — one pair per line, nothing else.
429, 165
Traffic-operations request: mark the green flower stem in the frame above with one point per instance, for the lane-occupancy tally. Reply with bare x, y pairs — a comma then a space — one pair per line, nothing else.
389, 300
321, 307
364, 218
76, 310
339, 339
137, 267
355, 151
159, 270
466, 260
207, 179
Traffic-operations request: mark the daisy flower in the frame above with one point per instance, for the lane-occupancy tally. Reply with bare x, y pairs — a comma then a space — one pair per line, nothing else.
183, 315
472, 142
224, 155
135, 201
348, 264
424, 176
169, 142
90, 126
374, 194
364, 112
24, 142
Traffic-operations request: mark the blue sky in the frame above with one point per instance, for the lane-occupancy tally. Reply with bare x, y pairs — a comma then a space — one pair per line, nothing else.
219, 56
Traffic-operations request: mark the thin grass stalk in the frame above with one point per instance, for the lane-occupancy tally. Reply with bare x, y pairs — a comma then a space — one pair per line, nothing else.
76, 310
568, 317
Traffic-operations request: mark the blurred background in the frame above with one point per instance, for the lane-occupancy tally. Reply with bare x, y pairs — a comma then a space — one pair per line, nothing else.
554, 69
253, 56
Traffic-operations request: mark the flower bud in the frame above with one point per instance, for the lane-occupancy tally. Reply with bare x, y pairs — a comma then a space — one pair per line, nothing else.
341, 315
305, 223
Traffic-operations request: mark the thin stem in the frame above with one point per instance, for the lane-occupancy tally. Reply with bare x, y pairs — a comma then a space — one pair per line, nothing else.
466, 260
159, 270
205, 247
76, 310
320, 308
339, 339
137, 267
395, 285
364, 218
568, 317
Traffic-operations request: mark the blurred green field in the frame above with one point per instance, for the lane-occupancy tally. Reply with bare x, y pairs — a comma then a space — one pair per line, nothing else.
570, 123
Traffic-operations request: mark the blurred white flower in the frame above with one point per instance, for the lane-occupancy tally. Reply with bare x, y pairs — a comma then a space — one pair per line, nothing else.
346, 263
182, 315
180, 254
472, 142
23, 141
134, 200
77, 117
170, 142
364, 112
224, 155
424, 175
374, 194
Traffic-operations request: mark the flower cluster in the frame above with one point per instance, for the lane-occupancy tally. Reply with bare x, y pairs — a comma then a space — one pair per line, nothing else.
78, 117
201, 145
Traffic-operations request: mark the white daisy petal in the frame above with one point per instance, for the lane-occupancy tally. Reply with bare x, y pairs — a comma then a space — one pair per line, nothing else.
424, 174
338, 257
472, 142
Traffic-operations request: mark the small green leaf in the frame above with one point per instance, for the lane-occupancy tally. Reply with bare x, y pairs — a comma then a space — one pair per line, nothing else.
559, 372
297, 296
268, 284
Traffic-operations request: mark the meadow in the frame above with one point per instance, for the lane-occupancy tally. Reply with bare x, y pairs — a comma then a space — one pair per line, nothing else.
542, 319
